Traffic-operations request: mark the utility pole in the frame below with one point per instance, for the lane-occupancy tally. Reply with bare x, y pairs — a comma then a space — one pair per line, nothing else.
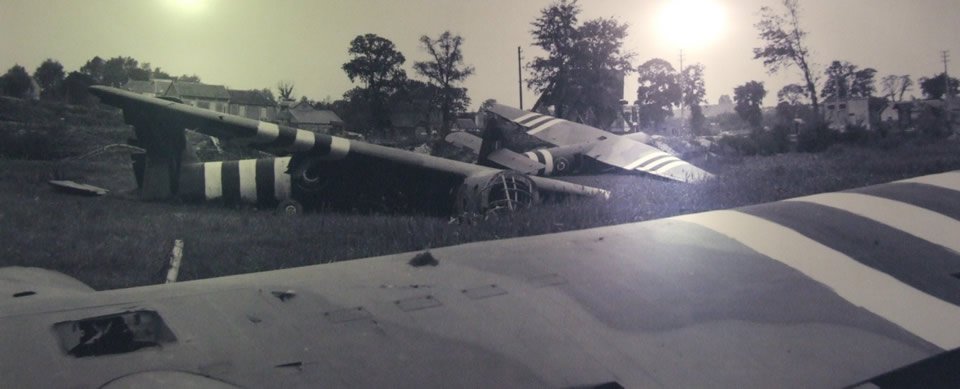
947, 99
681, 88
520, 77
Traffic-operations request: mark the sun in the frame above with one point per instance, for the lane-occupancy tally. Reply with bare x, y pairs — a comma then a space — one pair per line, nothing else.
190, 6
691, 23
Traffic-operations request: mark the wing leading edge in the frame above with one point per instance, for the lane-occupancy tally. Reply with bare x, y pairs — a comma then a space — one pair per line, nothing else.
606, 147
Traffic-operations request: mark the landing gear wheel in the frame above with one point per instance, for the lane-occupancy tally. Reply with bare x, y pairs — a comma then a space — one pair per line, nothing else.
289, 208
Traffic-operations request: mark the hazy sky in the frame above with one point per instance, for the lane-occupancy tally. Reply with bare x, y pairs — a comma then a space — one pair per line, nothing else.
253, 44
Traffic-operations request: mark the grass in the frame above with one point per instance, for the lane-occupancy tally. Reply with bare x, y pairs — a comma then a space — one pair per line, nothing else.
114, 241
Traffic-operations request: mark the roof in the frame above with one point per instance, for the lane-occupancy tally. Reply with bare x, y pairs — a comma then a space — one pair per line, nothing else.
466, 124
196, 89
302, 114
152, 86
250, 97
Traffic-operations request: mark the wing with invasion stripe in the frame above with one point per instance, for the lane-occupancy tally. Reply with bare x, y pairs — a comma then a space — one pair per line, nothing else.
502, 157
832, 290
611, 149
279, 139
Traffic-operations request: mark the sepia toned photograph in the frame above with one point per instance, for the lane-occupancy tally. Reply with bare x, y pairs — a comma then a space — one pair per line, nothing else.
430, 193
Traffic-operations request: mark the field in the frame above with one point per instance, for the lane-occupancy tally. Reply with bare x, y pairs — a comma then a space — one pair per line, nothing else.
116, 241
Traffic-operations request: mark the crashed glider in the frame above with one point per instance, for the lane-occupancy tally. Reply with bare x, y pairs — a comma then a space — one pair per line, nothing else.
312, 170
851, 289
575, 147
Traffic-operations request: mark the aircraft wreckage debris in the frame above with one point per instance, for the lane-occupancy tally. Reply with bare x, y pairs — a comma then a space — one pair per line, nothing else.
71, 187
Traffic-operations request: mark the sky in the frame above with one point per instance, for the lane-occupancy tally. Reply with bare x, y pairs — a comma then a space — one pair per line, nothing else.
253, 44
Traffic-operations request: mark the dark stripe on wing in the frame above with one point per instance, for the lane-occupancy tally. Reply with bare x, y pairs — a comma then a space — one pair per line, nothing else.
921, 264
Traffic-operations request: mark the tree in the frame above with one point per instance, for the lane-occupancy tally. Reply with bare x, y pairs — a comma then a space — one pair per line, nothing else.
725, 100
16, 82
555, 31
658, 92
75, 88
189, 78
445, 70
376, 63
49, 76
748, 97
792, 94
116, 70
157, 73
845, 80
934, 87
285, 89
894, 86
694, 93
582, 75
94, 69
597, 71
785, 45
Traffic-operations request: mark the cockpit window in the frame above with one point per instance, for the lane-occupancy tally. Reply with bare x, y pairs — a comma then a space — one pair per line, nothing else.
113, 334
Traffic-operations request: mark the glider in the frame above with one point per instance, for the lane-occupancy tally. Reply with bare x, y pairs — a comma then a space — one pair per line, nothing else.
313, 170
575, 146
848, 289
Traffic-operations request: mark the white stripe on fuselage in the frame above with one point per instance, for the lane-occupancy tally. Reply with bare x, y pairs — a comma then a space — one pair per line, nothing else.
212, 182
924, 315
920, 222
544, 126
281, 180
248, 179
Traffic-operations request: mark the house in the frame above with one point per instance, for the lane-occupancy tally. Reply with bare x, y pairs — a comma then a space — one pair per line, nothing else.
150, 88
252, 104
212, 97
306, 117
841, 113
465, 124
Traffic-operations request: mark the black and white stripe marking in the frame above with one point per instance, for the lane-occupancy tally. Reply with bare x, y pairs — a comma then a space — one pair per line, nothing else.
249, 180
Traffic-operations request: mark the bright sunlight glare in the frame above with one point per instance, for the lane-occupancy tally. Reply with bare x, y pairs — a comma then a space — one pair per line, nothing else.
191, 6
691, 23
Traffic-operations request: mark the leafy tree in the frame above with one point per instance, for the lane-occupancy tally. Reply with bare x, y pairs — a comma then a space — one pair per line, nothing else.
845, 80
190, 78
376, 63
694, 94
725, 100
160, 74
116, 70
785, 45
792, 94
142, 73
583, 72
934, 87
748, 97
75, 88
49, 76
94, 69
658, 92
555, 31
285, 89
16, 82
894, 86
445, 70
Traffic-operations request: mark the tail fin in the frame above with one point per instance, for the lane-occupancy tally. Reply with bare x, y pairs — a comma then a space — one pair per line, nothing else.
158, 169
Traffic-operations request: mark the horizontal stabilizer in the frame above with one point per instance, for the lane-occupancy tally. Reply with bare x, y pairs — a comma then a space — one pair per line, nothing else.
502, 157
